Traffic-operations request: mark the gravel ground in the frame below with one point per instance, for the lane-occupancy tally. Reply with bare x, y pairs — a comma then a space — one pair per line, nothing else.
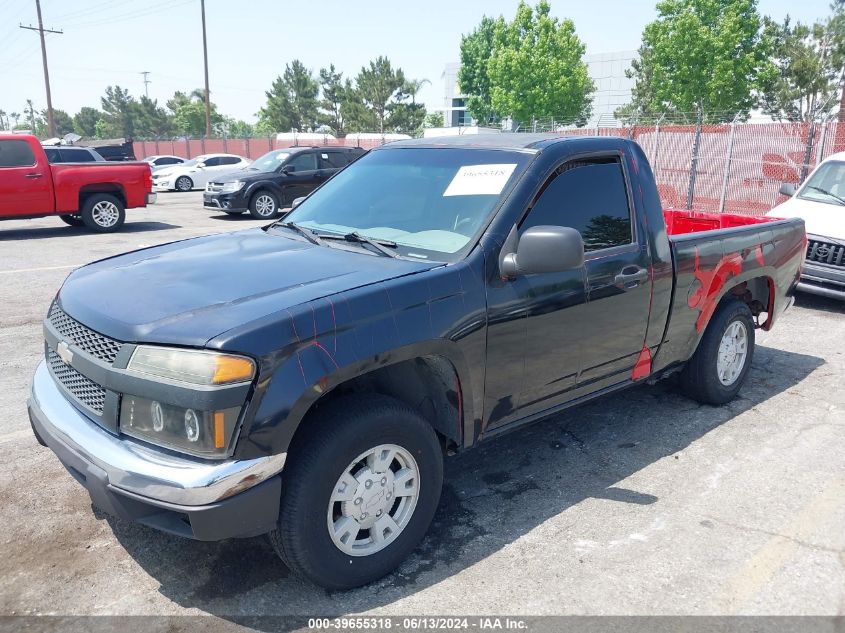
642, 503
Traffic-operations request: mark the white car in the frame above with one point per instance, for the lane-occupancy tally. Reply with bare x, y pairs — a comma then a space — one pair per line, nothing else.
164, 160
820, 202
195, 173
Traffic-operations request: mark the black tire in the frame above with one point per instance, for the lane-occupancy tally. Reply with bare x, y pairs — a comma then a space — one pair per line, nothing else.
699, 380
72, 220
337, 433
183, 184
103, 213
258, 205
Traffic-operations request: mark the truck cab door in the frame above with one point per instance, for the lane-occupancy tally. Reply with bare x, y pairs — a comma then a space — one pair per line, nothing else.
302, 175
25, 185
618, 271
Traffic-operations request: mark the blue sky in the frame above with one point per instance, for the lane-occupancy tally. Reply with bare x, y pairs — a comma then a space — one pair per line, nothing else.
112, 41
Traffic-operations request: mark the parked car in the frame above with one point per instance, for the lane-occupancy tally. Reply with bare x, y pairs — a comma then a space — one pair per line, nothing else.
305, 379
94, 194
195, 173
275, 180
819, 202
68, 154
165, 160
113, 149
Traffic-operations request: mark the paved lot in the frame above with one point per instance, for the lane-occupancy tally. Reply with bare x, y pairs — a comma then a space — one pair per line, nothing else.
644, 503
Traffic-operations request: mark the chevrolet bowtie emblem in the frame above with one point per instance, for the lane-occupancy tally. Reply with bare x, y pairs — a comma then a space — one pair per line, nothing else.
64, 352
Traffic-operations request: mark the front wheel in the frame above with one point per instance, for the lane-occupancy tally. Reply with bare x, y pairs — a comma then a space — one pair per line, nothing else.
717, 370
183, 183
264, 205
361, 492
103, 213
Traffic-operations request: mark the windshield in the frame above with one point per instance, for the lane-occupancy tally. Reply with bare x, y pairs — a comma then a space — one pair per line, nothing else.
270, 161
827, 184
430, 202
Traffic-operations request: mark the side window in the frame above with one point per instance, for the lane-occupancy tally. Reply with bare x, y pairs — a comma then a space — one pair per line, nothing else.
333, 160
167, 161
53, 155
590, 196
304, 161
212, 162
14, 153
229, 160
76, 156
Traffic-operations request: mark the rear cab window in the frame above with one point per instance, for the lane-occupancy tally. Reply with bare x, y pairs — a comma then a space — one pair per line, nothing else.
15, 153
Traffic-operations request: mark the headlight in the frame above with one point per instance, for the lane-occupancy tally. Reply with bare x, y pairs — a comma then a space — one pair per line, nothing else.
236, 185
202, 433
197, 367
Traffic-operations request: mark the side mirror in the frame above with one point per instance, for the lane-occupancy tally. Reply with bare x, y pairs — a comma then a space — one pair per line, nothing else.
545, 249
200, 165
787, 189
288, 169
296, 202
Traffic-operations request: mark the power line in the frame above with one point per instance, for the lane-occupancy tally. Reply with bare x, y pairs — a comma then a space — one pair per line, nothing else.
51, 125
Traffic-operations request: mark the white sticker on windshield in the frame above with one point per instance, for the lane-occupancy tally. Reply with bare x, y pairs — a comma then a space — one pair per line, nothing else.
479, 180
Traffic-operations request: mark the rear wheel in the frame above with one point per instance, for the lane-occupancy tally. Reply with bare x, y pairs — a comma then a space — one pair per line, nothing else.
361, 493
103, 213
72, 220
717, 370
183, 183
264, 205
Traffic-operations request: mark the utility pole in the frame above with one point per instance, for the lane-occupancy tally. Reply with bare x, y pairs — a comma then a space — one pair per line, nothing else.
51, 125
205, 61
147, 82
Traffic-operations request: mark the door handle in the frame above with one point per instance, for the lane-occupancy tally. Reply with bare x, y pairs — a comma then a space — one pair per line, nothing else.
35, 175
630, 277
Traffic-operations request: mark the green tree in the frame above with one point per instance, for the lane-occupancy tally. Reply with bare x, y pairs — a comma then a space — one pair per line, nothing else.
152, 120
473, 80
17, 117
85, 121
334, 97
188, 111
62, 120
292, 100
434, 119
707, 56
809, 60
120, 113
376, 86
4, 120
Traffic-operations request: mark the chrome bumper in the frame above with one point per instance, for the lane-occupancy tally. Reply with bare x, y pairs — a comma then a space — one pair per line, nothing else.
151, 198
136, 468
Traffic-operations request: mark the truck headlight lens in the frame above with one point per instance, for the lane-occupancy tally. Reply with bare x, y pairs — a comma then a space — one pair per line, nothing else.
229, 187
197, 367
201, 433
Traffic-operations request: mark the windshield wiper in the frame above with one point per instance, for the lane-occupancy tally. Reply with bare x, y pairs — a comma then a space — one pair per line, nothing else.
308, 234
382, 246
827, 193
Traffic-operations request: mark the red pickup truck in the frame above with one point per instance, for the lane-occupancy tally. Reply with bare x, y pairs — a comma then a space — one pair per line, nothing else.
95, 195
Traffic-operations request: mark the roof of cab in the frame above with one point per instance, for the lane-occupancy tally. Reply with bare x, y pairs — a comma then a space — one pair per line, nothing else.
518, 141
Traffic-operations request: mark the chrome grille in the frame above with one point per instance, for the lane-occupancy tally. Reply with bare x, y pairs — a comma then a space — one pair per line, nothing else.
825, 253
85, 390
84, 338
214, 186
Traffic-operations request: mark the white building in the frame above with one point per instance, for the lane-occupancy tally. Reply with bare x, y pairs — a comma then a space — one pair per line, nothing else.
607, 70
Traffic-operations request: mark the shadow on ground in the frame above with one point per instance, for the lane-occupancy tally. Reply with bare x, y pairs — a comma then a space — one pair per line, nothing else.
70, 231
816, 302
492, 496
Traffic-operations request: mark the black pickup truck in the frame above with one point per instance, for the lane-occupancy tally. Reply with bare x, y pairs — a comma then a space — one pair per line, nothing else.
305, 379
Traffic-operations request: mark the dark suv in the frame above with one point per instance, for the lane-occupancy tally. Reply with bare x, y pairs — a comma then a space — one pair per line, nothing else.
276, 179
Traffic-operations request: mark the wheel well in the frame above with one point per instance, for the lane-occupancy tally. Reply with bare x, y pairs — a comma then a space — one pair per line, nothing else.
106, 187
429, 384
758, 294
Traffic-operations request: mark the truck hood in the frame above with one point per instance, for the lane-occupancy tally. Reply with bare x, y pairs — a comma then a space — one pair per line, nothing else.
188, 292
821, 219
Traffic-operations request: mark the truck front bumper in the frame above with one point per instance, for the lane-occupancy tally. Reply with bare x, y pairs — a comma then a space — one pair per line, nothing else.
194, 498
822, 279
234, 201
